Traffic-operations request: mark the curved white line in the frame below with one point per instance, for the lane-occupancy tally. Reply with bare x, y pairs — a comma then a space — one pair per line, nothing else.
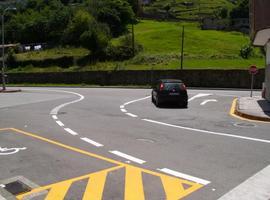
56, 109
130, 102
208, 132
199, 96
208, 100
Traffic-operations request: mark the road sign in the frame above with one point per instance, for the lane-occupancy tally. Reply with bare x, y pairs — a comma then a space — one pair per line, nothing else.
253, 69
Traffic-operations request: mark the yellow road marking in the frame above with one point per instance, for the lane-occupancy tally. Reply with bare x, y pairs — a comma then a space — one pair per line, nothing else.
5, 129
232, 113
63, 184
134, 184
95, 186
59, 191
174, 188
134, 190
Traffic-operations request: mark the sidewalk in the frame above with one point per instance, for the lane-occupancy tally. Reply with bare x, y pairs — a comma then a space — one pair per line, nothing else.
253, 108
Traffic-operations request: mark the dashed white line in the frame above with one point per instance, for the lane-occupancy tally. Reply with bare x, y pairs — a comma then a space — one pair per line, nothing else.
184, 176
92, 142
123, 110
209, 132
71, 131
208, 100
60, 123
126, 156
54, 117
131, 115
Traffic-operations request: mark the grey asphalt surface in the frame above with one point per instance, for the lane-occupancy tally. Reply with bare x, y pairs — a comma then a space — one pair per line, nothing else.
224, 161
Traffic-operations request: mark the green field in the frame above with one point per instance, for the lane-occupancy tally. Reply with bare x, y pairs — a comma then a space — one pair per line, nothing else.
178, 9
203, 49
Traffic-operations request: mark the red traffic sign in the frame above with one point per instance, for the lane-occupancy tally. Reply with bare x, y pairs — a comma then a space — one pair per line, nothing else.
253, 69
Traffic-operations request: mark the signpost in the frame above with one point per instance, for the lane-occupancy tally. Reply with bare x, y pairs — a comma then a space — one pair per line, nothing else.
253, 70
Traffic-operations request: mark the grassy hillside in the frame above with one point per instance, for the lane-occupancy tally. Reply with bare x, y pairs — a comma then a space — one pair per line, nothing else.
187, 9
203, 49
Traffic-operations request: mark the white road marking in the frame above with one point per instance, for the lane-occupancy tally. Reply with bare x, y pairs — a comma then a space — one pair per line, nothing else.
136, 100
199, 96
122, 106
123, 110
54, 117
71, 131
184, 176
60, 123
136, 160
56, 109
92, 142
9, 151
256, 187
209, 132
131, 115
208, 100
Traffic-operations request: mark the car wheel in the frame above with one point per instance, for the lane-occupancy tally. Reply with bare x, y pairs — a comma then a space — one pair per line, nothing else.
157, 102
185, 105
153, 101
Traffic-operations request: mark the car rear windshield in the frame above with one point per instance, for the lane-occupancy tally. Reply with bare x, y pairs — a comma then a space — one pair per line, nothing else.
172, 86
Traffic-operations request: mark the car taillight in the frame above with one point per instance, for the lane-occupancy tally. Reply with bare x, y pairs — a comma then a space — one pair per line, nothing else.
182, 87
161, 87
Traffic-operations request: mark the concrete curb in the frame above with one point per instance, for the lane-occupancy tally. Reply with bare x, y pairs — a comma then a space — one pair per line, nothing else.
246, 116
10, 91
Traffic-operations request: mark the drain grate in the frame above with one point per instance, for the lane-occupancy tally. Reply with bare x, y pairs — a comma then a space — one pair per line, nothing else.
17, 187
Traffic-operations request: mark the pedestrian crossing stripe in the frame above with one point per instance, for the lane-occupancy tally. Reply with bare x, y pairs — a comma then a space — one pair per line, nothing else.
174, 188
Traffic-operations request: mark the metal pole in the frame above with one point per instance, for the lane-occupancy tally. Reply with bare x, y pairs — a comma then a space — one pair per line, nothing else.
3, 48
182, 51
252, 83
133, 40
3, 55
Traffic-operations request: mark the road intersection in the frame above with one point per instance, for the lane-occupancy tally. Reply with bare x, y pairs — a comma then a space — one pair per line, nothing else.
151, 149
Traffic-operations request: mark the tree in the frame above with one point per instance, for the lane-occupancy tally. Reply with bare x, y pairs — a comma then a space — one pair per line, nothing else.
116, 13
241, 10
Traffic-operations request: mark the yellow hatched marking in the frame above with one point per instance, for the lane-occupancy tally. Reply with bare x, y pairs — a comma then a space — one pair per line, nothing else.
59, 191
95, 186
134, 184
64, 183
174, 188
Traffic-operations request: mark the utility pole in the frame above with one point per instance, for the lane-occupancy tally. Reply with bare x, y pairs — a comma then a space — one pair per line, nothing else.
3, 49
133, 40
182, 50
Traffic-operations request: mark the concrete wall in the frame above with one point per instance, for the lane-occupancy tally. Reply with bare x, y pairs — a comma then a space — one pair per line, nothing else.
192, 78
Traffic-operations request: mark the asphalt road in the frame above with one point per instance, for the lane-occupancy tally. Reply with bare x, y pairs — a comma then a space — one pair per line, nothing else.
115, 144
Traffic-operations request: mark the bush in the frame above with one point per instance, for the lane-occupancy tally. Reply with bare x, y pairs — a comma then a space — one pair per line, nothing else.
246, 51
124, 50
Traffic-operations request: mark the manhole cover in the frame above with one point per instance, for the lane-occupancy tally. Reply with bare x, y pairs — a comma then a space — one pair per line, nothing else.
16, 188
145, 140
245, 125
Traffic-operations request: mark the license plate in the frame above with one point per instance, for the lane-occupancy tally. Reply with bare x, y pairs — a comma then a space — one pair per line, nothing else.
174, 94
